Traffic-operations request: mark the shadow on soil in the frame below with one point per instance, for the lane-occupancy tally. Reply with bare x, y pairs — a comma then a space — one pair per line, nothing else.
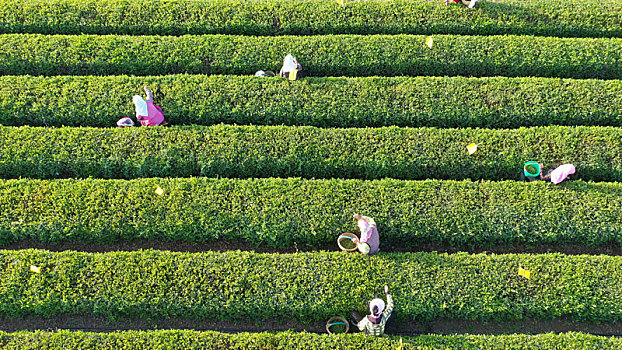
570, 249
440, 326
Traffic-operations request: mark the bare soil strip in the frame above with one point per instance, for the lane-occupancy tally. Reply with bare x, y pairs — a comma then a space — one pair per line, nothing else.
440, 326
570, 249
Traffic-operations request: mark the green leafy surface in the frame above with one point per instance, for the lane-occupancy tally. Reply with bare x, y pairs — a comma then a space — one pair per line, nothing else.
148, 17
370, 55
285, 213
309, 287
497, 102
177, 339
309, 152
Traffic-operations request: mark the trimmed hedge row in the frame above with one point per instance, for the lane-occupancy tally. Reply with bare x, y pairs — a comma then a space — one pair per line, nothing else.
497, 102
382, 55
309, 152
285, 213
187, 339
307, 287
143, 17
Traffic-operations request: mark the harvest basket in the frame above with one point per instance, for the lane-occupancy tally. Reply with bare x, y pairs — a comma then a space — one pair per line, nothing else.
348, 242
532, 169
337, 321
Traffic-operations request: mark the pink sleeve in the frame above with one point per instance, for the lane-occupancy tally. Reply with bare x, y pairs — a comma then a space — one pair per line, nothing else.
365, 230
368, 235
363, 225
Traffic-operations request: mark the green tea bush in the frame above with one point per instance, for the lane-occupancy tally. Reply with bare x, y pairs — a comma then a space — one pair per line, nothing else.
144, 17
380, 55
308, 152
187, 339
308, 287
288, 213
497, 102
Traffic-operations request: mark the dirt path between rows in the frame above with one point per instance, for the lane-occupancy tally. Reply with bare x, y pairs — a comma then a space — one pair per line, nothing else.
570, 249
440, 326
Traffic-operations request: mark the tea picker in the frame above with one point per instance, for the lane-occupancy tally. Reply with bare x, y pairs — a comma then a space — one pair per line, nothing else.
375, 323
291, 68
562, 172
368, 244
146, 112
533, 171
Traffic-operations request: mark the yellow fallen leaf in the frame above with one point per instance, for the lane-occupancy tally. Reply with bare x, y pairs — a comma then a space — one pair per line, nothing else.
472, 148
159, 191
35, 269
429, 42
342, 2
524, 273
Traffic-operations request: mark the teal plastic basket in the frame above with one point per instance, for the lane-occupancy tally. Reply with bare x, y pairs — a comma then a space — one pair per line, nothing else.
531, 169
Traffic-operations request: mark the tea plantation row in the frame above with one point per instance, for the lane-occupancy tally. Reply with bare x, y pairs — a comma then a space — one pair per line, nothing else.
143, 17
384, 55
308, 287
324, 102
285, 213
302, 151
186, 340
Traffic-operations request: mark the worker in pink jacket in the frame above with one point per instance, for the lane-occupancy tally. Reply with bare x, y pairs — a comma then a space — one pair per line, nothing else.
533, 171
369, 243
148, 113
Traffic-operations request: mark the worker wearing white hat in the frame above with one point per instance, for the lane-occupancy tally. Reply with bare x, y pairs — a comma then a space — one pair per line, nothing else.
290, 64
375, 322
